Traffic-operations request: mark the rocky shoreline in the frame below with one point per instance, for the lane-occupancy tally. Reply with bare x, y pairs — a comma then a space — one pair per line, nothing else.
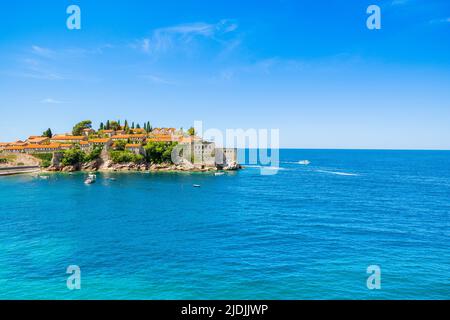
109, 166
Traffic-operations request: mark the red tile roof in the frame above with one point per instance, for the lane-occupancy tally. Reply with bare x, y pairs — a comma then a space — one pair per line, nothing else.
128, 136
69, 138
105, 140
44, 146
13, 148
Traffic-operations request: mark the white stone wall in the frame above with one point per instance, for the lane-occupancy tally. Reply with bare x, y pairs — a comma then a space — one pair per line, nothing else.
206, 153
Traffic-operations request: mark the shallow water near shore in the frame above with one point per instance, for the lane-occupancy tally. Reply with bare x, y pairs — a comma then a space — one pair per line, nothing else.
307, 232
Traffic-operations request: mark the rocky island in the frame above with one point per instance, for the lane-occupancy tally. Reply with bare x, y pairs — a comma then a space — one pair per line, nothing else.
116, 147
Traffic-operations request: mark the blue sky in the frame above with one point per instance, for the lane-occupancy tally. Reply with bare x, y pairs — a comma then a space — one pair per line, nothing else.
309, 68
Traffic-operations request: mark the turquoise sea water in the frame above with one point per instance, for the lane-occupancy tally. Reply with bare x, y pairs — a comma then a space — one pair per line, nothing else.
308, 232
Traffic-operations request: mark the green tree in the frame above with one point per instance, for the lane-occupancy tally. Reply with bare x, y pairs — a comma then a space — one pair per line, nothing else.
132, 125
191, 131
108, 125
48, 133
78, 128
72, 157
138, 126
46, 159
159, 152
101, 126
118, 156
120, 145
149, 127
94, 154
114, 125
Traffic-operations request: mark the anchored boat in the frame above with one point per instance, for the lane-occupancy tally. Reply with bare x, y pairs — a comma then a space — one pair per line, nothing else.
91, 178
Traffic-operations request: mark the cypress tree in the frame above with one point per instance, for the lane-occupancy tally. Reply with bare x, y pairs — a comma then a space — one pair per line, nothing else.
48, 133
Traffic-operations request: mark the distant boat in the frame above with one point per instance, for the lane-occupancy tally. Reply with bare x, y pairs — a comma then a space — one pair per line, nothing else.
196, 186
304, 162
219, 173
44, 177
90, 179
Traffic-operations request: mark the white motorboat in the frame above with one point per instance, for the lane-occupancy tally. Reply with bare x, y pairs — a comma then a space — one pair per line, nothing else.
91, 178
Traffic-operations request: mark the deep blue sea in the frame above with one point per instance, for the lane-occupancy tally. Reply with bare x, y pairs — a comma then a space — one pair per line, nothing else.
308, 232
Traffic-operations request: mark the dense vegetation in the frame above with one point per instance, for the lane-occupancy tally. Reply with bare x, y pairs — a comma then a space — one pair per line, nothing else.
75, 156
94, 154
120, 156
159, 152
120, 145
45, 157
72, 157
156, 152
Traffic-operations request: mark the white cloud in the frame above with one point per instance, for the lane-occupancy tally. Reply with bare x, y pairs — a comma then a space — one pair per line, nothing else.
163, 39
260, 67
69, 52
444, 20
40, 76
157, 80
43, 52
44, 63
34, 69
51, 101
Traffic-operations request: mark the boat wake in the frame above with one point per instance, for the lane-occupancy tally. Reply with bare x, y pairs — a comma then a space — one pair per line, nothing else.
265, 167
302, 162
338, 173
